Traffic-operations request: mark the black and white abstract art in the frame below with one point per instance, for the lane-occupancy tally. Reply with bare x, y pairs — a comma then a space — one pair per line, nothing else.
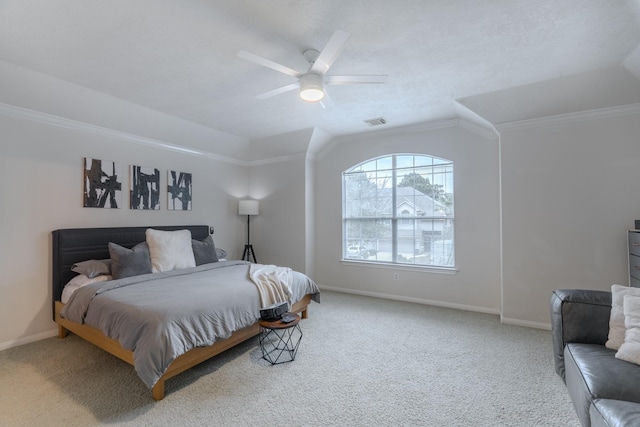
102, 183
179, 191
144, 190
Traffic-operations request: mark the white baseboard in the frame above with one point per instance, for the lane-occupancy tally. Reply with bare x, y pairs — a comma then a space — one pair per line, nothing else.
28, 339
505, 320
526, 323
414, 300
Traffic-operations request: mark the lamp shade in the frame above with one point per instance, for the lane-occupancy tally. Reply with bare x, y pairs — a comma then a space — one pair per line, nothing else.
248, 207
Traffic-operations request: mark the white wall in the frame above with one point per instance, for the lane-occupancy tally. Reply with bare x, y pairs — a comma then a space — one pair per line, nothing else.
41, 171
569, 194
278, 233
477, 283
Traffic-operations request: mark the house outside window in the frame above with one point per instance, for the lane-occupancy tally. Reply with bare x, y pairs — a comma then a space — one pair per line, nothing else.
398, 209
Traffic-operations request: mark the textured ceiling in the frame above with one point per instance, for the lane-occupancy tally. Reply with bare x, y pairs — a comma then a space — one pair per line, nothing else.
505, 60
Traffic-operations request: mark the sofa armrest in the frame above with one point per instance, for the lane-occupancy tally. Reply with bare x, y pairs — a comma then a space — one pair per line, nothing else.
578, 316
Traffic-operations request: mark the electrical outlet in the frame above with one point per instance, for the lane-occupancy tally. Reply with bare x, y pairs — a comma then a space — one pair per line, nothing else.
396, 276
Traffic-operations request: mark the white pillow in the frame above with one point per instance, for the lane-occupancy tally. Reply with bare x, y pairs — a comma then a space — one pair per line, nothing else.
630, 349
616, 321
170, 250
79, 281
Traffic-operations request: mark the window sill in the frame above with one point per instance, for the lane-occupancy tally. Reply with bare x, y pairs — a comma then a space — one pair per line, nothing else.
407, 267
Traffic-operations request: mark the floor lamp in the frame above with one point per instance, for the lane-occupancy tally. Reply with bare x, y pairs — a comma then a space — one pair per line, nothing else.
248, 208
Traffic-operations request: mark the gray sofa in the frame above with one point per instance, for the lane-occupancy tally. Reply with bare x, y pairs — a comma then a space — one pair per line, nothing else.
605, 391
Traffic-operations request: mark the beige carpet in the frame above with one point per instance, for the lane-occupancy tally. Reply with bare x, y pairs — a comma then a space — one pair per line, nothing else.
362, 361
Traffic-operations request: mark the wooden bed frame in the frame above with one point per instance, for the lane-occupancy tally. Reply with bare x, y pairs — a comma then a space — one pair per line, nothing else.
79, 244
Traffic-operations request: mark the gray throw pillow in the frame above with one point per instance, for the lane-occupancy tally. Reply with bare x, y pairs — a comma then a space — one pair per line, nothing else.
129, 262
93, 267
204, 251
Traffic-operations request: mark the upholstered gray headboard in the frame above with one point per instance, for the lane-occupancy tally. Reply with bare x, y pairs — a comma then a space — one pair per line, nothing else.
73, 245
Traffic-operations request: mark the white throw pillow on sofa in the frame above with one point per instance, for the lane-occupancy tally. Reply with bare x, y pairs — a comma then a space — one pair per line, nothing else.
170, 250
616, 321
630, 348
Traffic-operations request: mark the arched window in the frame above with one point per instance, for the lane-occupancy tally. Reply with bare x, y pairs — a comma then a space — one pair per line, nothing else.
399, 209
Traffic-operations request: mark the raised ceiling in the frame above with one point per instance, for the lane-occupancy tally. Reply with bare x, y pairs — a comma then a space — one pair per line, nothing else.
504, 60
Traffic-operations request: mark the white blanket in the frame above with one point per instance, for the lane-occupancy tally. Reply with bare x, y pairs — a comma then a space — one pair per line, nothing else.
273, 283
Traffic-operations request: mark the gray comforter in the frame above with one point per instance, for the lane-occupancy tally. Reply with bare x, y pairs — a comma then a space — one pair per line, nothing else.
161, 316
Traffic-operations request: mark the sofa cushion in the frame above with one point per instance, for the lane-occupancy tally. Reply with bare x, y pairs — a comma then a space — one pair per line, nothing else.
614, 413
593, 372
616, 322
630, 348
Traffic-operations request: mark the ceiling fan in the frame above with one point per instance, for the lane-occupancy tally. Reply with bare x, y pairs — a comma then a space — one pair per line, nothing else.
311, 82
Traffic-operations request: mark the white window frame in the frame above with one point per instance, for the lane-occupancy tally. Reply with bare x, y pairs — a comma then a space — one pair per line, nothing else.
357, 248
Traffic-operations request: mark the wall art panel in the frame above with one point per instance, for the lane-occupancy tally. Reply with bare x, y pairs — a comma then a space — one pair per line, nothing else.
144, 190
179, 191
102, 183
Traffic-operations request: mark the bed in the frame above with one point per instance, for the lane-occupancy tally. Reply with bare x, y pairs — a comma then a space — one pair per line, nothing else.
114, 315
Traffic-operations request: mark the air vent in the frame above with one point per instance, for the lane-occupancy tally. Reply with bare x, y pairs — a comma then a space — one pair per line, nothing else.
375, 122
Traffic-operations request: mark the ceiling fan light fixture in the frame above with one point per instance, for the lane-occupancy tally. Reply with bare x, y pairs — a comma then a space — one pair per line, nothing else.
311, 84
311, 87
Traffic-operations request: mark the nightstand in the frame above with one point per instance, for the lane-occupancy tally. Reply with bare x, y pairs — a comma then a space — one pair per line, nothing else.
279, 341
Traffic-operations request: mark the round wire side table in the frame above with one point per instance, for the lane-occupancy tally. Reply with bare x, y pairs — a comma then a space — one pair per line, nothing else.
279, 341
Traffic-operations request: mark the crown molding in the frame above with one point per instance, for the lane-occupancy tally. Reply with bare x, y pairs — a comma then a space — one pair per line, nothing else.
568, 118
62, 122
479, 129
280, 159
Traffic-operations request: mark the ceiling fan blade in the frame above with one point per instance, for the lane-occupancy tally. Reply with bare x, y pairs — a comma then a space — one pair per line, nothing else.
326, 101
330, 52
348, 80
268, 63
279, 90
